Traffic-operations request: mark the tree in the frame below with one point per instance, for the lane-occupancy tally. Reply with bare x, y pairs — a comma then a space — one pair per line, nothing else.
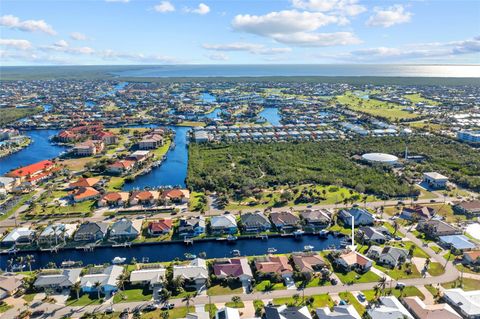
177, 283
295, 298
187, 299
121, 280
382, 283
165, 314
98, 286
165, 296
77, 287
236, 300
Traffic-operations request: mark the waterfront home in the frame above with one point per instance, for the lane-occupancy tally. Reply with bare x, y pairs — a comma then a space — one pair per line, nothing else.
389, 256
285, 220
125, 229
470, 208
90, 231
227, 313
255, 222
435, 180
286, 312
144, 198
417, 213
160, 227
88, 148
121, 167
7, 184
57, 279
153, 277
458, 242
114, 199
318, 218
177, 196
140, 156
351, 260
19, 236
85, 182
196, 272
108, 138
233, 268
466, 303
436, 228
271, 265
107, 277
369, 234
420, 310
308, 262
150, 142
192, 226
223, 224
361, 217
34, 173
389, 307
82, 194
9, 285
55, 233
338, 312
471, 258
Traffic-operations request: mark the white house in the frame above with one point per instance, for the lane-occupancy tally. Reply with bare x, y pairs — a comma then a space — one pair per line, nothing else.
435, 180
153, 277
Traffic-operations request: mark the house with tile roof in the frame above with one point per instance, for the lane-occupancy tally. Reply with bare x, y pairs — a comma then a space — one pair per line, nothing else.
285, 220
125, 229
121, 167
255, 222
273, 264
177, 196
308, 262
82, 194
352, 260
114, 199
160, 227
85, 182
419, 309
471, 258
144, 197
34, 173
233, 268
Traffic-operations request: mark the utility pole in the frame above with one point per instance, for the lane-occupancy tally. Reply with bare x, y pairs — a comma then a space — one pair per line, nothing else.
353, 233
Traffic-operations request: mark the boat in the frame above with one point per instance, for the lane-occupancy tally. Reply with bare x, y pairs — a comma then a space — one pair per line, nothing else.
190, 256
118, 260
235, 253
18, 267
323, 233
272, 250
70, 263
308, 248
298, 232
231, 238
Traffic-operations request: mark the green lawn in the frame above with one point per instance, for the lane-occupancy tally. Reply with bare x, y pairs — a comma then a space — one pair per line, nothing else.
232, 304
29, 297
262, 285
432, 290
4, 307
435, 269
84, 300
417, 252
400, 273
195, 204
175, 313
212, 309
115, 184
224, 289
461, 267
22, 201
133, 295
162, 150
354, 277
467, 284
407, 292
319, 301
315, 282
351, 299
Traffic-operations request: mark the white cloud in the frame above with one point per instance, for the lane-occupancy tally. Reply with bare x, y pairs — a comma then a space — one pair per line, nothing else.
310, 39
164, 6
122, 1
64, 46
78, 36
13, 22
218, 56
137, 57
247, 47
343, 7
201, 9
17, 44
390, 16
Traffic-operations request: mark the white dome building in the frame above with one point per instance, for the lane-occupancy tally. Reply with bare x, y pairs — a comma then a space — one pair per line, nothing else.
380, 158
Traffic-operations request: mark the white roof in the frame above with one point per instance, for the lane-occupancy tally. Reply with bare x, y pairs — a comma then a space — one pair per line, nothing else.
140, 153
109, 276
390, 308
223, 221
380, 157
66, 230
230, 313
435, 175
468, 301
153, 275
339, 312
196, 269
17, 233
6, 180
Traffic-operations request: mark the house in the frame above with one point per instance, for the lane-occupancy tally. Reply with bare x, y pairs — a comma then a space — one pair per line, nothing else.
196, 271
192, 226
161, 227
88, 148
144, 198
417, 213
466, 303
338, 312
437, 311
114, 199
234, 268
389, 308
153, 277
57, 279
468, 207
361, 217
140, 156
352, 260
227, 313
435, 180
223, 224
390, 256
121, 167
285, 220
271, 265
90, 231
459, 242
308, 262
83, 194
9, 285
19, 236
471, 257
285, 312
255, 222
58, 232
107, 277
108, 138
369, 234
8, 183
34, 173
85, 182
125, 229
198, 314
318, 218
436, 228
178, 196
150, 142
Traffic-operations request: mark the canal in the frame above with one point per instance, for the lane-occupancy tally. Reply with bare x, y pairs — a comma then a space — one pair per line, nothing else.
272, 115
161, 252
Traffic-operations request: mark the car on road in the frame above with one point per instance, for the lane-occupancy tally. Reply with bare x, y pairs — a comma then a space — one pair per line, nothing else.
400, 285
333, 281
109, 310
361, 297
150, 307
168, 306
37, 313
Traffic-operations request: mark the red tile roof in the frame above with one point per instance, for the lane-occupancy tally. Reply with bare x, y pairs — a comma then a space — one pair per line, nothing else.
161, 225
31, 169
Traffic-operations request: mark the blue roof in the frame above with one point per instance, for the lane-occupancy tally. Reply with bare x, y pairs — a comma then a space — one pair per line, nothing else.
458, 241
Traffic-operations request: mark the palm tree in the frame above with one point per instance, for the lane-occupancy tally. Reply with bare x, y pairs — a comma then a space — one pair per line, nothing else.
187, 299
236, 300
165, 296
77, 287
97, 285
295, 298
178, 282
376, 289
121, 280
165, 314
29, 259
382, 283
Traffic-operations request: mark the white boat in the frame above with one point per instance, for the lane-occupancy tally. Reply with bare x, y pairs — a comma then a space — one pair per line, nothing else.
231, 238
272, 250
323, 233
298, 232
118, 260
308, 248
190, 256
235, 253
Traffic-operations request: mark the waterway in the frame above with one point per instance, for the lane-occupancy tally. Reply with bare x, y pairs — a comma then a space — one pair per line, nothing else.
272, 115
169, 251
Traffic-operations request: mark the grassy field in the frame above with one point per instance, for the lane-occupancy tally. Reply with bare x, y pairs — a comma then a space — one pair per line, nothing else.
133, 295
115, 183
319, 301
467, 284
264, 284
400, 273
407, 292
418, 98
4, 307
84, 300
195, 203
234, 288
436, 269
175, 313
22, 201
354, 277
11, 114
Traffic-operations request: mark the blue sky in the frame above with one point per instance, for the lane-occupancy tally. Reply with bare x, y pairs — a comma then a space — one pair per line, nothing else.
37, 32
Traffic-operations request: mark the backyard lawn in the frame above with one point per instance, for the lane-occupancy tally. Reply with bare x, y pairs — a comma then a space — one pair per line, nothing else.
133, 295
319, 301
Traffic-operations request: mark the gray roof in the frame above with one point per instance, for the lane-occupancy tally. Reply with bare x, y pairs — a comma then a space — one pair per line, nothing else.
468, 301
65, 278
284, 312
255, 220
123, 227
92, 228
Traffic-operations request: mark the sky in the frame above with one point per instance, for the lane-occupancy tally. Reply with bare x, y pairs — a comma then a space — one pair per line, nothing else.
117, 32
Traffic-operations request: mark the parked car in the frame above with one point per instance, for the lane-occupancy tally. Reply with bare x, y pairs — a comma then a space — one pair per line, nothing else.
168, 306
333, 281
109, 310
150, 307
37, 313
400, 285
361, 297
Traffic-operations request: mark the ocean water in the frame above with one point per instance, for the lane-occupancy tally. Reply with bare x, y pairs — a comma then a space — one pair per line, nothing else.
395, 70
